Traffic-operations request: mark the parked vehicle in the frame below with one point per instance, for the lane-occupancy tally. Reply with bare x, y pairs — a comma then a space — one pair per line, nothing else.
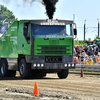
87, 43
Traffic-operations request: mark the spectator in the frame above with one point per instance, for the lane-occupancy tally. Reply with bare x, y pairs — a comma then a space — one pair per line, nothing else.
82, 49
74, 51
76, 60
78, 52
86, 49
86, 55
81, 58
96, 50
94, 61
97, 59
86, 59
90, 59
90, 51
99, 52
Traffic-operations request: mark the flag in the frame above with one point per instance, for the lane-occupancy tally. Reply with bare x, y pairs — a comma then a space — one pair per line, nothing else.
3, 28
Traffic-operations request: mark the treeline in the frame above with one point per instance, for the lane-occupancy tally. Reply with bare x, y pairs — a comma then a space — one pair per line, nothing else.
79, 42
6, 16
82, 43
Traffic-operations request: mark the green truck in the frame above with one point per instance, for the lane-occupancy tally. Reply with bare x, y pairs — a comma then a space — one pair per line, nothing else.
37, 47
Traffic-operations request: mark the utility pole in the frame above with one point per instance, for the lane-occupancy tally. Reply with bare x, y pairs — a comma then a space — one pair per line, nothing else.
84, 29
98, 26
0, 7
74, 20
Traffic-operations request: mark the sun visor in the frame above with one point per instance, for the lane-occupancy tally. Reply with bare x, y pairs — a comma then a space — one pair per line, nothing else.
52, 22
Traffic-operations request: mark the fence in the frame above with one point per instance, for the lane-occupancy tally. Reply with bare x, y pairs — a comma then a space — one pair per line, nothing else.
84, 67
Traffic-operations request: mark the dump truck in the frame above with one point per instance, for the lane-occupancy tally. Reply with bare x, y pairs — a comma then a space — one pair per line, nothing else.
37, 47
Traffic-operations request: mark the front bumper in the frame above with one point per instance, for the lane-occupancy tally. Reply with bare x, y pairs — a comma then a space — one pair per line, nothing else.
52, 65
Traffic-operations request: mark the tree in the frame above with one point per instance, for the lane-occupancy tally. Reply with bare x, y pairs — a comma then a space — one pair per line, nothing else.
96, 37
89, 39
79, 42
6, 16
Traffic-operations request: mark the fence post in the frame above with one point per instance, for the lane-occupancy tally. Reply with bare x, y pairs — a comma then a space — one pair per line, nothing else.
82, 71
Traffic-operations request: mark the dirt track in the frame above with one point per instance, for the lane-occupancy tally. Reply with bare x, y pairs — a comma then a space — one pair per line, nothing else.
51, 88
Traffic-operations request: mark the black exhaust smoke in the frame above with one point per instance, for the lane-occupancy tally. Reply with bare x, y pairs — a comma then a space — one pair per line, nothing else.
50, 7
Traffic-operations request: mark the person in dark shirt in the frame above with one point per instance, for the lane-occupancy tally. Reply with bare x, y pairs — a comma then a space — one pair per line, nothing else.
96, 50
81, 58
86, 49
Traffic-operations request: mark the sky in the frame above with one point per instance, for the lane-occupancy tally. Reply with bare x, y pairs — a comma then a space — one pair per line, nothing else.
88, 10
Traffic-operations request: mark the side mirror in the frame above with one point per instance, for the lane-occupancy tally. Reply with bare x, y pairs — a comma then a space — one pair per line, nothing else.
75, 31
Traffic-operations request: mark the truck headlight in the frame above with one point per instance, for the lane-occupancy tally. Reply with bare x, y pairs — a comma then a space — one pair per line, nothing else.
34, 65
65, 65
72, 65
38, 65
42, 65
69, 65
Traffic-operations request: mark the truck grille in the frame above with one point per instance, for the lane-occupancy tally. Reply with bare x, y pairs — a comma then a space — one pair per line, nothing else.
48, 49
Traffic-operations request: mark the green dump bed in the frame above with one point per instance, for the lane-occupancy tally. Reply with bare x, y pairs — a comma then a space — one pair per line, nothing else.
8, 42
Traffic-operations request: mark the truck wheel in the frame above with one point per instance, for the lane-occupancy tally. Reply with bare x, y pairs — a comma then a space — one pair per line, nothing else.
4, 68
24, 69
63, 74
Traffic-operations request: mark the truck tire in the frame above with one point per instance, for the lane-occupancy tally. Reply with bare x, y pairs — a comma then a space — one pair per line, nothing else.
4, 68
63, 74
24, 69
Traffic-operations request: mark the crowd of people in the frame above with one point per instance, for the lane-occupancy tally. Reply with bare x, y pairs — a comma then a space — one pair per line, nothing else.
87, 55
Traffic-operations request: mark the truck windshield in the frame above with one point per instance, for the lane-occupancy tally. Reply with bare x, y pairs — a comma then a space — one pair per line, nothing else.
52, 31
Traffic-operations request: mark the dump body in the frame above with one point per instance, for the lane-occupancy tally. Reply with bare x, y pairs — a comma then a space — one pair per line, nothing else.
8, 42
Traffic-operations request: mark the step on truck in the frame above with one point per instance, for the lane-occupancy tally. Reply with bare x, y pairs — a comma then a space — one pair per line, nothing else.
37, 47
